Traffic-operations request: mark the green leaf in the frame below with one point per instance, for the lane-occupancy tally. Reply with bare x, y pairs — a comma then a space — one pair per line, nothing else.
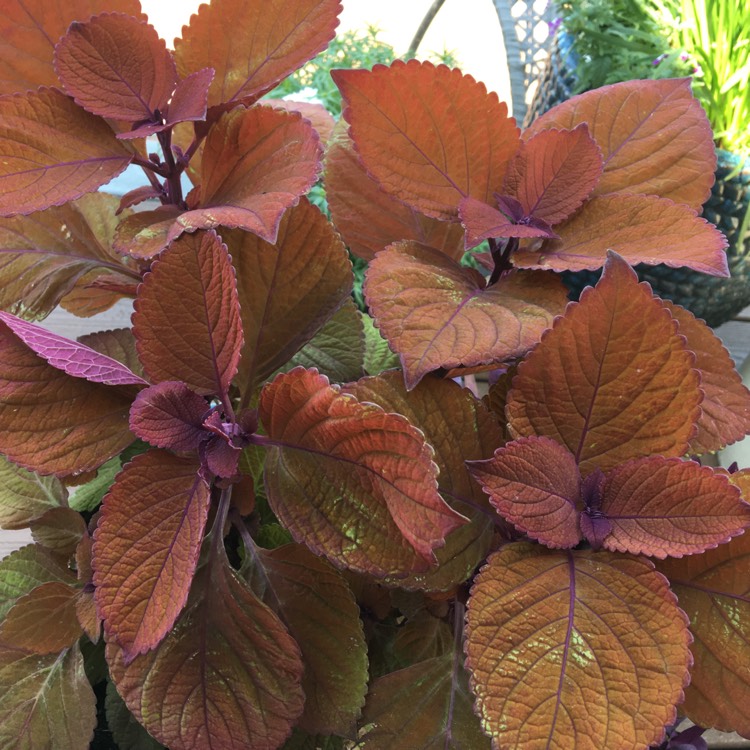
425, 706
317, 605
378, 355
25, 495
25, 569
126, 731
45, 701
87, 497
338, 348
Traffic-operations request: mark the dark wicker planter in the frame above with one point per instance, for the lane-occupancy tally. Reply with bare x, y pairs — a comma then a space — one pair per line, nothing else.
713, 299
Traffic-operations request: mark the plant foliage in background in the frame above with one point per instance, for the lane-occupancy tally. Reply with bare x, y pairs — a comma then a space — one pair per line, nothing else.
706, 39
264, 520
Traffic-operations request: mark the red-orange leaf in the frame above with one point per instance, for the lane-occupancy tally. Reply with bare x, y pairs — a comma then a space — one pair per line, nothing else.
31, 28
146, 547
368, 218
348, 480
52, 152
44, 621
54, 423
635, 392
317, 115
45, 701
429, 135
256, 163
317, 605
654, 136
640, 228
435, 313
44, 256
146, 233
459, 428
534, 483
427, 705
116, 66
253, 44
287, 291
226, 675
725, 409
714, 590
668, 507
554, 172
575, 649
187, 316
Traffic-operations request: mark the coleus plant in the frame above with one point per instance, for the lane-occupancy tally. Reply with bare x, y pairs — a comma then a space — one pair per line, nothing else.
252, 529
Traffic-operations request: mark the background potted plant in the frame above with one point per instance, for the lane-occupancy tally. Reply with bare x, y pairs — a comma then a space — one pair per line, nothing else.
252, 527
599, 43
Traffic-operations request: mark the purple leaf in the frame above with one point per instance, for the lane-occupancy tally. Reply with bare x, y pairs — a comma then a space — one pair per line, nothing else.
689, 739
170, 415
71, 357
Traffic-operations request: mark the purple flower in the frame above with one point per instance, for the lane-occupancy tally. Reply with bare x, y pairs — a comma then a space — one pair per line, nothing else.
554, 25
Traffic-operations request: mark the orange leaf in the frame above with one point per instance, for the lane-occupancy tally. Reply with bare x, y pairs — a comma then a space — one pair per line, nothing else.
426, 705
253, 44
668, 507
117, 66
40, 264
45, 701
725, 409
714, 590
640, 228
287, 291
227, 674
635, 392
146, 547
318, 607
316, 114
534, 483
187, 317
654, 136
44, 621
255, 164
31, 28
52, 422
554, 172
370, 219
435, 313
350, 481
430, 136
146, 233
53, 152
575, 649
459, 428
